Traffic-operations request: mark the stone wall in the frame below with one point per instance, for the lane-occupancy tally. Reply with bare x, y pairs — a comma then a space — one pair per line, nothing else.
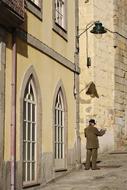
101, 72
104, 55
108, 71
120, 24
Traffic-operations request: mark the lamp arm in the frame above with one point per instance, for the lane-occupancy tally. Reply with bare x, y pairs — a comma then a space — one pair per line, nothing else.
87, 28
116, 33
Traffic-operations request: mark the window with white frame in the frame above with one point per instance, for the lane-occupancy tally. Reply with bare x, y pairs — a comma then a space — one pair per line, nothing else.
37, 2
29, 134
59, 126
60, 13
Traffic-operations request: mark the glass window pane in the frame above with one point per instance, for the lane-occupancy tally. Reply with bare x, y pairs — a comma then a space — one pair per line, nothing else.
58, 134
37, 2
31, 93
55, 151
24, 110
61, 118
61, 134
29, 111
58, 150
29, 131
33, 171
33, 112
60, 15
33, 151
28, 151
24, 130
28, 171
55, 133
33, 132
61, 150
24, 151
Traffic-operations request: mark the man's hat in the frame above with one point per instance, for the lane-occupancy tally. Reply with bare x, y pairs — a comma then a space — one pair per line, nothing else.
92, 121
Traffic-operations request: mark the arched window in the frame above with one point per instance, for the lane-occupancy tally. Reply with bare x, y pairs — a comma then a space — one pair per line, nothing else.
59, 126
29, 133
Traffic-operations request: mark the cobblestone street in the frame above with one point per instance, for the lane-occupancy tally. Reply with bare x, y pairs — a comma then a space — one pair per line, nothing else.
111, 176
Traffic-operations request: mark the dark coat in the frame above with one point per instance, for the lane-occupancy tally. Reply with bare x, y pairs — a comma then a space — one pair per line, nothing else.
91, 134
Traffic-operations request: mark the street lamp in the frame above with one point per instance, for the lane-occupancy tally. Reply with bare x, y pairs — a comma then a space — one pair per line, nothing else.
98, 30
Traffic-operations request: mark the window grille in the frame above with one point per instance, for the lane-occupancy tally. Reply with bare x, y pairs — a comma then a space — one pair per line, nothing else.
29, 134
60, 14
59, 126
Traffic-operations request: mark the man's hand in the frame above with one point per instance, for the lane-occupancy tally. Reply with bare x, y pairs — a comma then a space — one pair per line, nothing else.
102, 131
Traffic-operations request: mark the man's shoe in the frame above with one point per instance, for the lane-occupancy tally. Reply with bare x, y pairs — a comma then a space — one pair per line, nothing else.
96, 168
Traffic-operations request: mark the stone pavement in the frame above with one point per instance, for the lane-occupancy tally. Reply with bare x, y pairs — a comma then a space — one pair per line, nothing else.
111, 176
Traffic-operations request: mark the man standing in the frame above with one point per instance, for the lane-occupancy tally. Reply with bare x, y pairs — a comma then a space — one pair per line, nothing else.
92, 144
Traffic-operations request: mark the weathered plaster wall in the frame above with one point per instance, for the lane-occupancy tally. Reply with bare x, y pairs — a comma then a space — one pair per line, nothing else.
101, 72
104, 53
108, 71
120, 23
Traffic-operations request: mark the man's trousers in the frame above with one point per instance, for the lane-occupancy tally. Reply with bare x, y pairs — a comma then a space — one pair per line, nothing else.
91, 157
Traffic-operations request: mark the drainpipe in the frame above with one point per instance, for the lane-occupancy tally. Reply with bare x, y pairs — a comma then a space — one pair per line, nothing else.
13, 111
76, 84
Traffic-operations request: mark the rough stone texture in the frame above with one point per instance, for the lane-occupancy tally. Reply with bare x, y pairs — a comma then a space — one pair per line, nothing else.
108, 71
101, 72
120, 21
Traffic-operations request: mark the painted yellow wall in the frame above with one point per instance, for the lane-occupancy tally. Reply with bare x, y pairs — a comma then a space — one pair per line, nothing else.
49, 73
42, 30
7, 131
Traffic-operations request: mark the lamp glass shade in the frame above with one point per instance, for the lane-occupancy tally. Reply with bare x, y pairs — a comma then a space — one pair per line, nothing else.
98, 28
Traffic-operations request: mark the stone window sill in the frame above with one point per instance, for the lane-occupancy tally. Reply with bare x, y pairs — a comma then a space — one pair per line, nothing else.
59, 30
33, 8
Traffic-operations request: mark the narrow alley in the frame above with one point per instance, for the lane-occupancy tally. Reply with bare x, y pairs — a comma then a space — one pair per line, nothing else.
63, 94
111, 176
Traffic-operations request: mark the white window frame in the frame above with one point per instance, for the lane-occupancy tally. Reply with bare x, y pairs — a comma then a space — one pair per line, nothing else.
59, 127
29, 135
36, 2
60, 13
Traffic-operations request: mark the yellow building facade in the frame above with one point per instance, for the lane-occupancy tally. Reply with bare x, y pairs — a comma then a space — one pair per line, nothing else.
39, 112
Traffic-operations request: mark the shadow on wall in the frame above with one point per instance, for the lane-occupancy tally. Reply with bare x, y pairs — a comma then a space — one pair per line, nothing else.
22, 44
22, 47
